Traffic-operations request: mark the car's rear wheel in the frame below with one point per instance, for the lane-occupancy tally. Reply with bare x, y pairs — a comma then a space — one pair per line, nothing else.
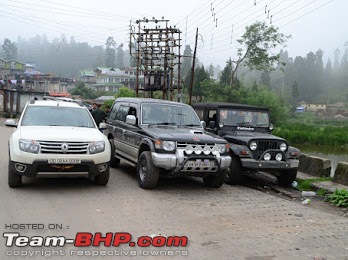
114, 162
287, 177
214, 181
103, 178
14, 179
147, 172
234, 175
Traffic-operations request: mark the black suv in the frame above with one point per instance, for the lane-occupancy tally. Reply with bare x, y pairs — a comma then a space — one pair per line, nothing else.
164, 138
253, 147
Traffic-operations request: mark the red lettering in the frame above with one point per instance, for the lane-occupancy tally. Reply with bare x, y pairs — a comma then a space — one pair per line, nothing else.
121, 238
98, 238
83, 239
144, 241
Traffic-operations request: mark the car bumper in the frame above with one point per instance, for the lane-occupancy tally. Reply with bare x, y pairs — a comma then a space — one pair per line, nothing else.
43, 168
275, 165
177, 164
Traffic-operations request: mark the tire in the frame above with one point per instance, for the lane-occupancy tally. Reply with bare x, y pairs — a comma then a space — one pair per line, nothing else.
287, 177
214, 181
147, 172
14, 179
234, 175
103, 178
114, 162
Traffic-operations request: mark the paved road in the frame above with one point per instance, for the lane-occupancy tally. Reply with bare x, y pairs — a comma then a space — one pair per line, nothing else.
226, 223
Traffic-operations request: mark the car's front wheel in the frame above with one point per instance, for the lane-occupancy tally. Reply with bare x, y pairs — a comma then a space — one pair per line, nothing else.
103, 178
214, 181
14, 179
287, 177
114, 162
147, 172
234, 175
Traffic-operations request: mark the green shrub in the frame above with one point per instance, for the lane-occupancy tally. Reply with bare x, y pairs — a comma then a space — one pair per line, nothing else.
339, 198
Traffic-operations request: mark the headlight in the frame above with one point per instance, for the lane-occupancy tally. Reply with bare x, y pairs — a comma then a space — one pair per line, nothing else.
96, 147
267, 156
253, 146
198, 149
206, 150
189, 149
219, 148
279, 157
168, 146
29, 146
283, 147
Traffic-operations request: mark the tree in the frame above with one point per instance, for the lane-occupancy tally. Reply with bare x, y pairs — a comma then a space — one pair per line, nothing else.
257, 43
9, 50
211, 70
187, 61
226, 73
110, 52
125, 92
294, 90
120, 57
265, 78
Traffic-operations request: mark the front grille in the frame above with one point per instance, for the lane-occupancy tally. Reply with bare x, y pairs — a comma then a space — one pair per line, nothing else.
55, 147
264, 145
63, 168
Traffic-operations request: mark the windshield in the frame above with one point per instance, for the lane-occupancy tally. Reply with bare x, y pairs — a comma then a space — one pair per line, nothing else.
164, 114
57, 116
234, 117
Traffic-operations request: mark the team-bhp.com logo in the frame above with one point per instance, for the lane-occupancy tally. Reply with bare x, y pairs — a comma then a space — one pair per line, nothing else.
85, 239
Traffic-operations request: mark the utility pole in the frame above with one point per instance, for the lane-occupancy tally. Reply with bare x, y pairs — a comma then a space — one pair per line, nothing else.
193, 68
156, 47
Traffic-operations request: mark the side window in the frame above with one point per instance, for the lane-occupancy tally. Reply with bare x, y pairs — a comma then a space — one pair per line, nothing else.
133, 111
113, 112
122, 113
199, 113
212, 116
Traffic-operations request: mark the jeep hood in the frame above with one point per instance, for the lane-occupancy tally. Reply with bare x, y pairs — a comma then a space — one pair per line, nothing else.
243, 137
182, 134
60, 133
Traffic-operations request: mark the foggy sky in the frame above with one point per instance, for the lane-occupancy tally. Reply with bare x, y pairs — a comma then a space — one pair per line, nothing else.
312, 24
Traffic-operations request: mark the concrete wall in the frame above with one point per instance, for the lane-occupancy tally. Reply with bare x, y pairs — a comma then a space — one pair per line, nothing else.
315, 166
341, 173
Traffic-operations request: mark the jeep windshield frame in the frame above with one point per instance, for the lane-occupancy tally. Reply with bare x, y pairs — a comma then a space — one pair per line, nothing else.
168, 115
243, 117
57, 116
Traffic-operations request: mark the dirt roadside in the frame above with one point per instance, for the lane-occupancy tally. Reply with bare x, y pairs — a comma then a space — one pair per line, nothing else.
268, 184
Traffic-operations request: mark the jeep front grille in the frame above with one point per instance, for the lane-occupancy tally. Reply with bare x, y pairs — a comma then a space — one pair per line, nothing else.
264, 145
55, 147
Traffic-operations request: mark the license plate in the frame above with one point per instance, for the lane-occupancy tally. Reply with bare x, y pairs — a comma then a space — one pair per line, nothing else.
198, 163
294, 164
64, 161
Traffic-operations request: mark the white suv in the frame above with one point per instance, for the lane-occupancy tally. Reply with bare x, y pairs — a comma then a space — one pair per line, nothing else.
57, 138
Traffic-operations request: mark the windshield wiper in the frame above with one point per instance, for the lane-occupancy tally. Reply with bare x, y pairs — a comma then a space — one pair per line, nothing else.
190, 125
244, 124
163, 123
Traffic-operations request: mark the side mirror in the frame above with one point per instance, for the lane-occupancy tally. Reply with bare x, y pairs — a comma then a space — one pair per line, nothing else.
271, 127
203, 124
102, 126
131, 120
11, 123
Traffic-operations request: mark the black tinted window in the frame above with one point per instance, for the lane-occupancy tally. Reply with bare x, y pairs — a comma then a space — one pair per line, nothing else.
122, 113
